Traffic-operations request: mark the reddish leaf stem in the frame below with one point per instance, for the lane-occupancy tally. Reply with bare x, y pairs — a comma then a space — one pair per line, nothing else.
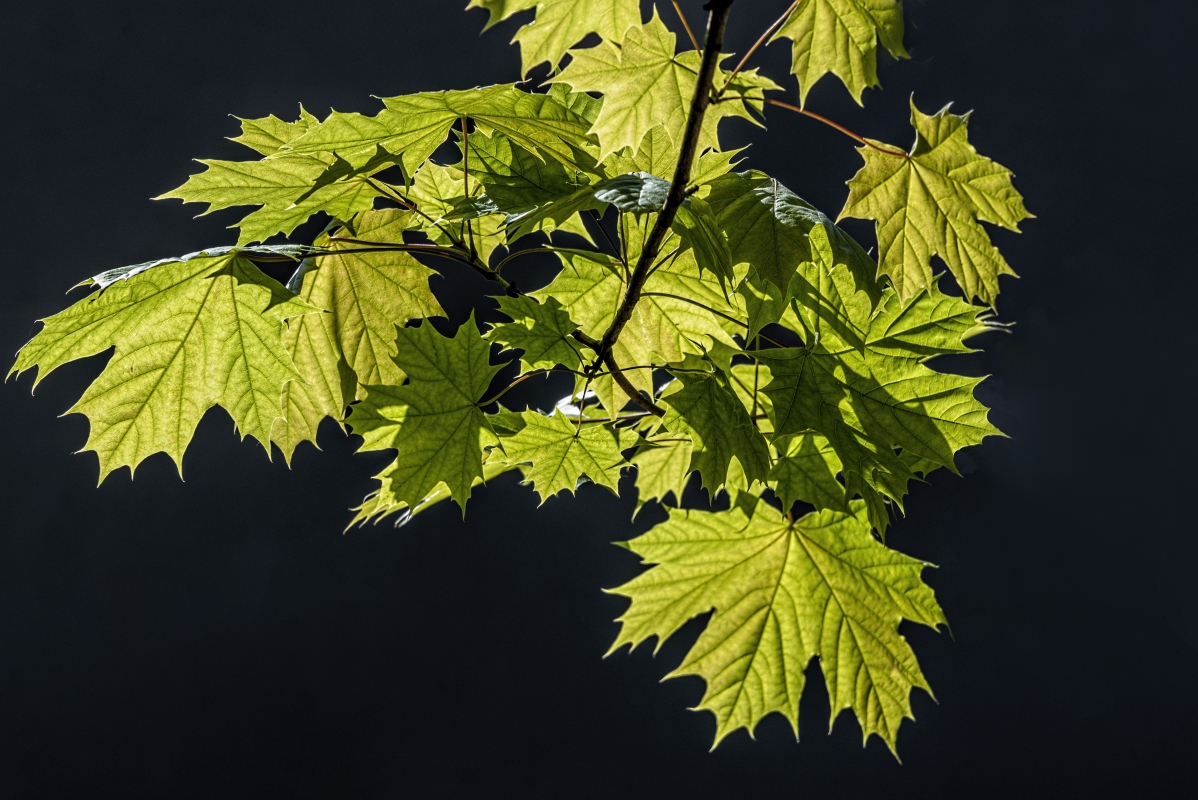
837, 126
757, 45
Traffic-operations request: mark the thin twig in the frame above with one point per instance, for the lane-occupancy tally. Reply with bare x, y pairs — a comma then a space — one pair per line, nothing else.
686, 24
689, 147
545, 248
705, 307
757, 45
617, 374
466, 185
837, 126
599, 221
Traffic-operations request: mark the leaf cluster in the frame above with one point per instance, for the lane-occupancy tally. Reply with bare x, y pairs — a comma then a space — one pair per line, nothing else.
712, 321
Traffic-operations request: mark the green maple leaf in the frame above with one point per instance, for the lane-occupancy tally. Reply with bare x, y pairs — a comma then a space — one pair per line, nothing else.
417, 124
720, 429
658, 155
930, 201
275, 184
662, 468
560, 24
383, 502
840, 36
784, 593
696, 224
930, 323
849, 385
557, 452
502, 9
434, 421
187, 335
367, 295
643, 85
805, 471
541, 330
270, 134
515, 179
768, 226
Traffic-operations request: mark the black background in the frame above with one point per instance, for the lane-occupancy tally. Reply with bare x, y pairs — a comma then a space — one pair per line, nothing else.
221, 637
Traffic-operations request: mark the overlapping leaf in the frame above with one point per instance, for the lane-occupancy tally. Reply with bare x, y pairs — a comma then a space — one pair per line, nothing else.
866, 399
707, 411
186, 335
558, 452
434, 421
367, 294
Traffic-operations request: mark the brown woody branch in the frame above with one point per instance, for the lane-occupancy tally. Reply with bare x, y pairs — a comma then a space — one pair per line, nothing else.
689, 148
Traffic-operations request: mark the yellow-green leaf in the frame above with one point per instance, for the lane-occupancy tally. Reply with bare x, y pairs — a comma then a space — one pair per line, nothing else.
930, 201
783, 593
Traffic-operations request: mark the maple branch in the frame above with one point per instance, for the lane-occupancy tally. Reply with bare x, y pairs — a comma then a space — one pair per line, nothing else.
837, 126
686, 25
609, 361
717, 21
757, 45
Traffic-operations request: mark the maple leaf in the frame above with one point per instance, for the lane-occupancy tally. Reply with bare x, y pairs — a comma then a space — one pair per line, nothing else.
499, 10
270, 134
929, 202
556, 452
367, 294
840, 36
383, 502
415, 125
783, 593
707, 411
767, 226
805, 471
187, 335
434, 421
866, 400
515, 179
560, 24
643, 85
541, 330
663, 467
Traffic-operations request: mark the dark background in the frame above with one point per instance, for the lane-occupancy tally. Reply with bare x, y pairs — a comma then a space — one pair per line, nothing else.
221, 637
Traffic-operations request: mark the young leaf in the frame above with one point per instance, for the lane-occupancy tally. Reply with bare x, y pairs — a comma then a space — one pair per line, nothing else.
719, 428
559, 452
643, 85
367, 294
187, 335
840, 36
434, 421
561, 24
930, 201
783, 593
541, 330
